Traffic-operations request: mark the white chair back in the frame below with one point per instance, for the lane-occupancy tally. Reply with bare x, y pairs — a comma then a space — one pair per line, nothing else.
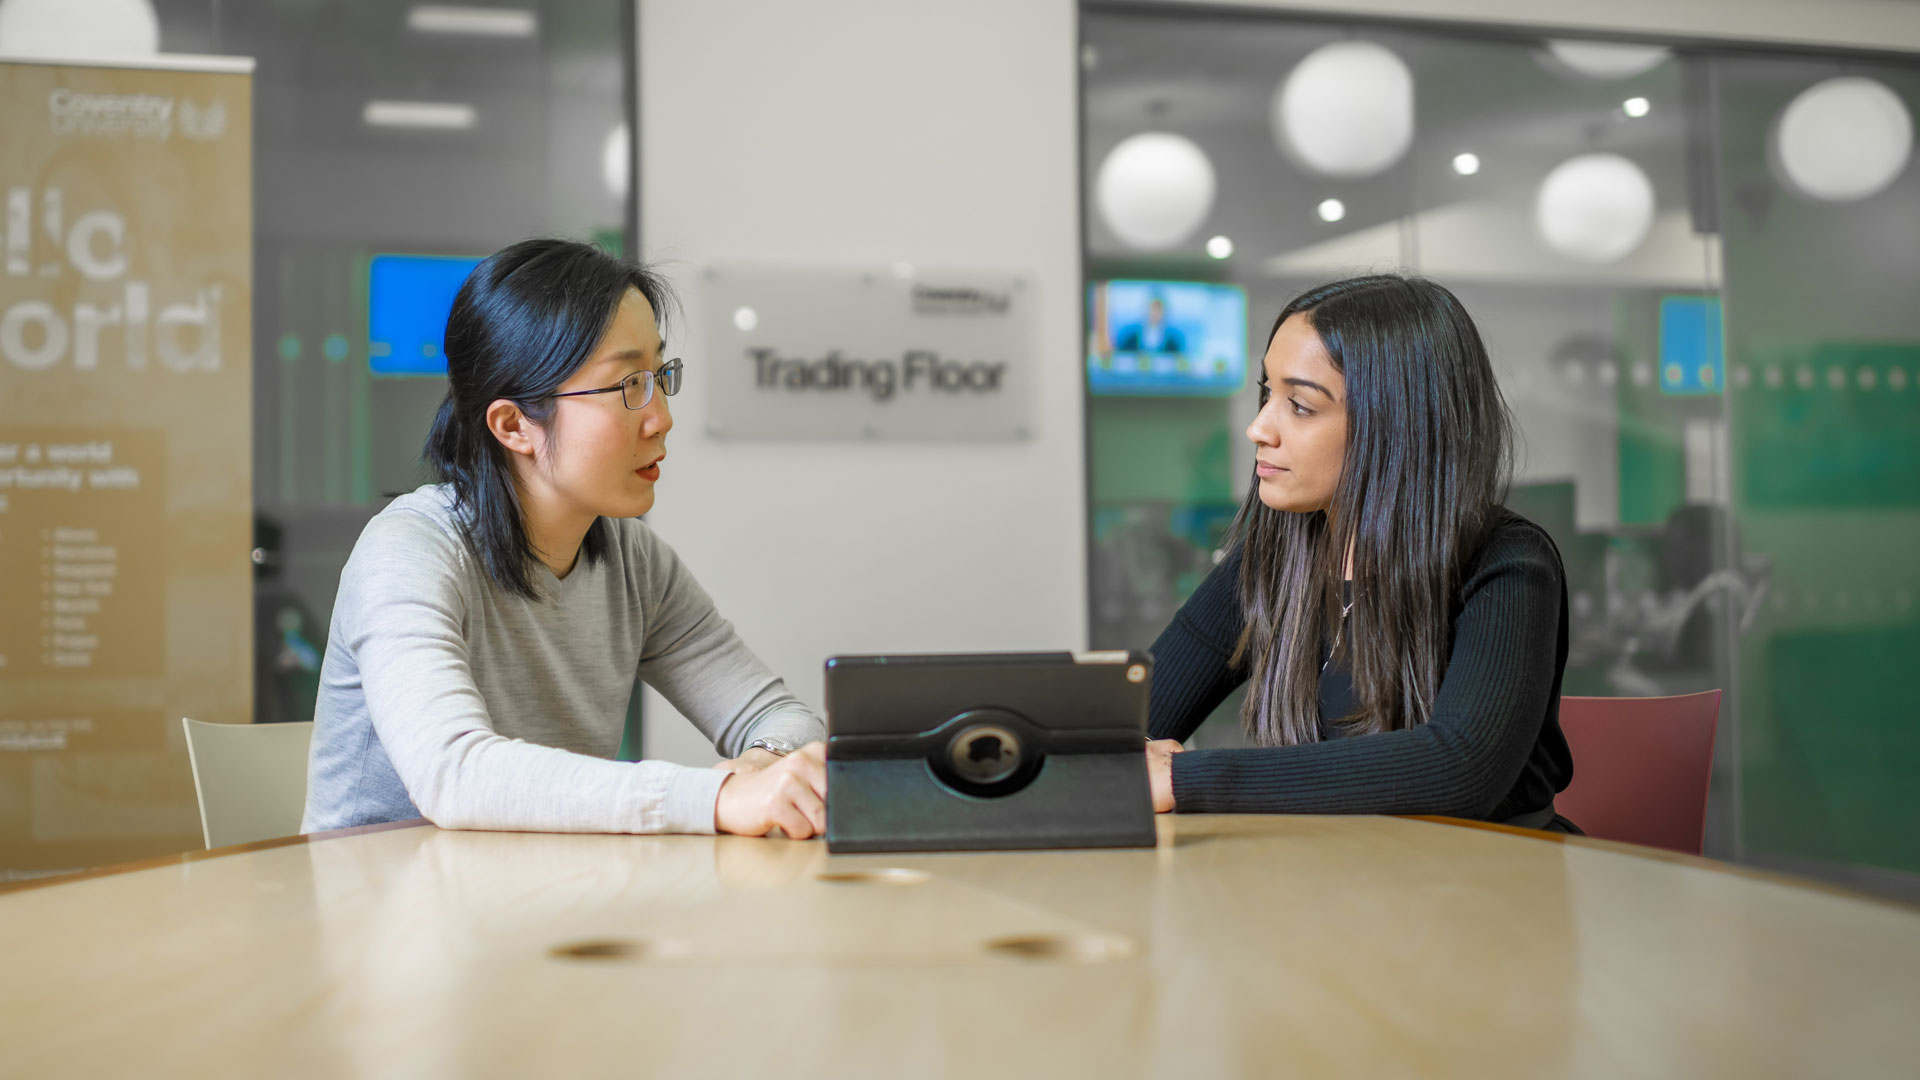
251, 779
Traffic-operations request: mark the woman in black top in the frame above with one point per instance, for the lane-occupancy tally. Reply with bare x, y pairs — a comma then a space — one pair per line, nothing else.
1404, 635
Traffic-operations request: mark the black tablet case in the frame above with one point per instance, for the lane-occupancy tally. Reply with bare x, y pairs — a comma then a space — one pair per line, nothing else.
1080, 720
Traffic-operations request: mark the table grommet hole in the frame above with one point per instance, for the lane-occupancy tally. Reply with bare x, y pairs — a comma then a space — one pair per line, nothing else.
1070, 948
601, 950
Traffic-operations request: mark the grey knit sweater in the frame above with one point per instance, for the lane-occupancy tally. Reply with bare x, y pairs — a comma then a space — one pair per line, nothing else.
443, 697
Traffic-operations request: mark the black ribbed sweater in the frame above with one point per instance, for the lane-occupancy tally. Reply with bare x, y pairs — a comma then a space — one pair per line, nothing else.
1492, 749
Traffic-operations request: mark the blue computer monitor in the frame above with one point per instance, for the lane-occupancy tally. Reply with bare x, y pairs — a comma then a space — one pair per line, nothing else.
1692, 356
408, 300
1166, 338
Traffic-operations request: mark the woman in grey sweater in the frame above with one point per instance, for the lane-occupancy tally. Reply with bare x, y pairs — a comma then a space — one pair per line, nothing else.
488, 628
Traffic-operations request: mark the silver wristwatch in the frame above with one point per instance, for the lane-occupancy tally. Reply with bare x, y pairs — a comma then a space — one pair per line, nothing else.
776, 747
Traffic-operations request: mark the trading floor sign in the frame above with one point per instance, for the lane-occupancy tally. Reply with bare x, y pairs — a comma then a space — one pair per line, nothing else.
126, 234
881, 354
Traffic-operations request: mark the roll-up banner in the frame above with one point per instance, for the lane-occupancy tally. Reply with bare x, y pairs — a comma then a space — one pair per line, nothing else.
126, 279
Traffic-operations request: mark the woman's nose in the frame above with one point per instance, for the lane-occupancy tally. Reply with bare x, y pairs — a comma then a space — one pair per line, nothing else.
1260, 433
656, 418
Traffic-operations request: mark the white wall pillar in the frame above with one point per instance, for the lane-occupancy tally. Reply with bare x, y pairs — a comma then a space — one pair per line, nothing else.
865, 133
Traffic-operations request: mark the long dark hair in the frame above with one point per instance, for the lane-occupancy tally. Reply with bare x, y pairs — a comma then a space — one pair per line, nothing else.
525, 320
1428, 460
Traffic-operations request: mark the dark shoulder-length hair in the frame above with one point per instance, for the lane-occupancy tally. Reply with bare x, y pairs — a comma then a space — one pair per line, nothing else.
1428, 460
525, 320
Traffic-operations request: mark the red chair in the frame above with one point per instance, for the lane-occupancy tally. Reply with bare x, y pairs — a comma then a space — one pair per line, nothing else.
1640, 767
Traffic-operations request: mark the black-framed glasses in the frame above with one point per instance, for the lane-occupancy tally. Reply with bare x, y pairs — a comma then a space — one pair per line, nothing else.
636, 390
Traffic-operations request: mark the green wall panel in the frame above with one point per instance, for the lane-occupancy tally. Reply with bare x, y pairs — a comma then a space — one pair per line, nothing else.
1831, 757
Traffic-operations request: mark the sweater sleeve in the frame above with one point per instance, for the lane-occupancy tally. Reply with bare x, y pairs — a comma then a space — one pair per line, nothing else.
697, 661
1192, 668
1465, 759
403, 604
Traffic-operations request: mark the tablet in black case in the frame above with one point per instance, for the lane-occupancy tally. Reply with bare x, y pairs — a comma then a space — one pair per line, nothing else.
984, 751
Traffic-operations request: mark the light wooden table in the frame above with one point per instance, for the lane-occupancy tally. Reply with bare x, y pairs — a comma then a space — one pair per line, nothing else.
1242, 946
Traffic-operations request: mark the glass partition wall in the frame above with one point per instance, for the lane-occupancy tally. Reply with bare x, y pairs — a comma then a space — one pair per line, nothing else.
396, 144
1823, 332
392, 141
1694, 268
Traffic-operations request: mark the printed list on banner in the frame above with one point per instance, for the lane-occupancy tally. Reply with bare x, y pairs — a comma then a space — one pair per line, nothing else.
82, 576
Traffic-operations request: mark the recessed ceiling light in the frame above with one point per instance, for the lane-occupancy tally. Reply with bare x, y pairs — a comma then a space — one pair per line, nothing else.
478, 21
1466, 164
1332, 210
1220, 247
438, 115
1636, 106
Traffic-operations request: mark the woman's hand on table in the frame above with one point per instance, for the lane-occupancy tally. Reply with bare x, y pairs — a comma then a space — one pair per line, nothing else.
790, 794
1160, 772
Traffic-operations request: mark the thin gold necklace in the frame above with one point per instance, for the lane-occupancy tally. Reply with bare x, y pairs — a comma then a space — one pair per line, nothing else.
1337, 631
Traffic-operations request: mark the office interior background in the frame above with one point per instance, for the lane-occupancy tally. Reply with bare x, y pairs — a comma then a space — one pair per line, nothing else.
1718, 392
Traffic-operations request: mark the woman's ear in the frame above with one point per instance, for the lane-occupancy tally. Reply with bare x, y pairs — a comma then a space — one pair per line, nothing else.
511, 427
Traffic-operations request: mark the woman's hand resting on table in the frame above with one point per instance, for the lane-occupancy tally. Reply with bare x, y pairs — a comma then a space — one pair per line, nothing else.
1160, 772
789, 794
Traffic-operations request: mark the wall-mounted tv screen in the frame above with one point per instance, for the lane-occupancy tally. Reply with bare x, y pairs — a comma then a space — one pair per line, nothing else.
1166, 338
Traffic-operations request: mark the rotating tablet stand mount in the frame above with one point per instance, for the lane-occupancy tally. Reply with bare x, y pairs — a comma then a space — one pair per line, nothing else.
988, 778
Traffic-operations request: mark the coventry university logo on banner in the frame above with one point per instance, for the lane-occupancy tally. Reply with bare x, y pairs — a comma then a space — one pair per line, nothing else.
139, 116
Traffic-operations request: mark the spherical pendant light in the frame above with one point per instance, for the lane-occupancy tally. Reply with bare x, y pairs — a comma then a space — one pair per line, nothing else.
1842, 140
1153, 190
616, 160
79, 28
1346, 110
1596, 208
1605, 60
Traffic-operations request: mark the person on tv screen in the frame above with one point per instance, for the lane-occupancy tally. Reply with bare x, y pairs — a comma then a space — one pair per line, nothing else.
1154, 335
489, 628
1402, 636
